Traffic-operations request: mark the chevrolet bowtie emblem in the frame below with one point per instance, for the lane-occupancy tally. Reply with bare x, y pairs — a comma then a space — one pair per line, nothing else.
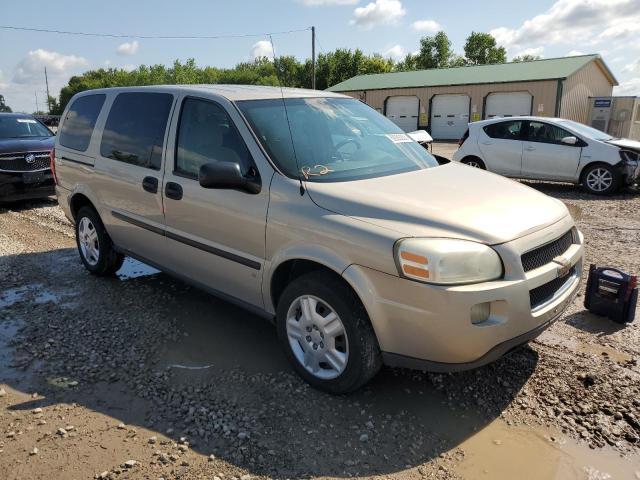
564, 266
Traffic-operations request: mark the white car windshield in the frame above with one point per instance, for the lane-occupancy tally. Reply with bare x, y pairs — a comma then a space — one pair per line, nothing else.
585, 130
332, 139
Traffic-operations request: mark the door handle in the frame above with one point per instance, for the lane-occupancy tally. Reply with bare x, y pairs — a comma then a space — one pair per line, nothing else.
173, 190
530, 149
150, 184
487, 143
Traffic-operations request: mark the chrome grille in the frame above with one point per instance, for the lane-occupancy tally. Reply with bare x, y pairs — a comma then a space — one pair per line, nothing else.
546, 292
546, 253
16, 162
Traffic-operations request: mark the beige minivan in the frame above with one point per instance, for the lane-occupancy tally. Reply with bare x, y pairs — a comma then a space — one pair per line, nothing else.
315, 211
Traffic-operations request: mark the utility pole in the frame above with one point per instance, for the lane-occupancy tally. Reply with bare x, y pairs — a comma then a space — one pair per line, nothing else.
37, 107
46, 79
313, 58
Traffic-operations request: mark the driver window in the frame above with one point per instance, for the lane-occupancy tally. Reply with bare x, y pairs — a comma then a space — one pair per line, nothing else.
206, 134
547, 133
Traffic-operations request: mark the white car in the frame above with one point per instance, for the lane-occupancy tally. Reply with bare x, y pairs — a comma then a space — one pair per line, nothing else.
552, 149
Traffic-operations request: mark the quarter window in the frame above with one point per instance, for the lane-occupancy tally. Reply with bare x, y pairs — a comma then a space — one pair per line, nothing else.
207, 134
134, 132
80, 120
504, 130
547, 133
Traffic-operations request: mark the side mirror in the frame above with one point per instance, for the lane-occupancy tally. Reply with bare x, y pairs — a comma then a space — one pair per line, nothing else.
569, 140
227, 175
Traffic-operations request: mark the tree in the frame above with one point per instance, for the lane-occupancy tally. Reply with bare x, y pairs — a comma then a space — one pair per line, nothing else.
435, 52
526, 58
457, 61
481, 49
54, 106
3, 106
408, 63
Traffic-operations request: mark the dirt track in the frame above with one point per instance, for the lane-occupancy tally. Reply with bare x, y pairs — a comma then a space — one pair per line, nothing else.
98, 372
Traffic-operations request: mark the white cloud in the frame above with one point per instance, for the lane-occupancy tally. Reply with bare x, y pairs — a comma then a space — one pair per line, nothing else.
582, 22
426, 26
107, 63
396, 52
629, 87
535, 51
632, 67
128, 48
315, 3
261, 49
376, 13
574, 53
31, 67
129, 67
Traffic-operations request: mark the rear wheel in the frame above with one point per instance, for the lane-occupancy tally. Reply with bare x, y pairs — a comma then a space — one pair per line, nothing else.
601, 179
326, 333
474, 162
94, 244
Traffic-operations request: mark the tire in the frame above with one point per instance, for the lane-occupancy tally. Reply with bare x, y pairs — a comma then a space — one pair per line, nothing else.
355, 357
94, 244
601, 179
474, 162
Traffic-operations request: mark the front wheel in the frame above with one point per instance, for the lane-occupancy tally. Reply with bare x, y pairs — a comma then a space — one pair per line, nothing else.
601, 179
94, 244
326, 333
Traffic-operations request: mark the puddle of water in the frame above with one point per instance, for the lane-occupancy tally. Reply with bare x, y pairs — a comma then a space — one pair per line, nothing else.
133, 269
12, 295
501, 452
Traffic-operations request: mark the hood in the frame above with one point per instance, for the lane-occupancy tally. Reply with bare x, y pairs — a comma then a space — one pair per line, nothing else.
19, 145
625, 143
452, 200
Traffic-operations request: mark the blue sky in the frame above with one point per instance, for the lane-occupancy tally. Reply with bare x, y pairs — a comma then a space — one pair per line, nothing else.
548, 28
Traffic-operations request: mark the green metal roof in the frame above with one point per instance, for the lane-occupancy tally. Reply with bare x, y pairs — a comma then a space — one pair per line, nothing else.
545, 69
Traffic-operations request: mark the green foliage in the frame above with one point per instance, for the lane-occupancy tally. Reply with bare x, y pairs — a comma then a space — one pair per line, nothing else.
481, 49
526, 58
435, 52
3, 106
331, 68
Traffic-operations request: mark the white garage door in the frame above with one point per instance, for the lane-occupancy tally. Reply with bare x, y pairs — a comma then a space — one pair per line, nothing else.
449, 116
508, 104
403, 111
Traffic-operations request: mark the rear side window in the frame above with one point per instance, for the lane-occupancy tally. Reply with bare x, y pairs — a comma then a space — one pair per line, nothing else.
207, 134
134, 132
504, 130
80, 120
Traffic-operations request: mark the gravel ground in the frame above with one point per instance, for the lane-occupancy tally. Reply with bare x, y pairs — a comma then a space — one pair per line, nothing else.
145, 377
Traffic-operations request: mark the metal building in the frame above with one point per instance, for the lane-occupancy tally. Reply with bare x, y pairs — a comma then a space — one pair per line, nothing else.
444, 100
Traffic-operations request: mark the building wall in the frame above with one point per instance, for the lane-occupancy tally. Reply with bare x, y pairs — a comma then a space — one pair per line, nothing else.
634, 129
589, 81
544, 96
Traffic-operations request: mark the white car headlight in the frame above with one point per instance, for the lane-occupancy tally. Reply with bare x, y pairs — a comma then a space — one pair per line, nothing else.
446, 261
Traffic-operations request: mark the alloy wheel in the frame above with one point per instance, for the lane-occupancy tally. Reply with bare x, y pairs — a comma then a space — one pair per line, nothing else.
88, 241
599, 179
317, 337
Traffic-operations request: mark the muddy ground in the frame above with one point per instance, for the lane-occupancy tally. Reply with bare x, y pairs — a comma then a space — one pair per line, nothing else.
142, 376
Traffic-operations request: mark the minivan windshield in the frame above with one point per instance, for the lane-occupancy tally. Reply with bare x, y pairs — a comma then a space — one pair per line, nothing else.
22, 127
585, 130
332, 139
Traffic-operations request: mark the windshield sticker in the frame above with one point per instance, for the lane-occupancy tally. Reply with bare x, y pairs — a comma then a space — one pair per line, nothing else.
320, 170
398, 137
26, 120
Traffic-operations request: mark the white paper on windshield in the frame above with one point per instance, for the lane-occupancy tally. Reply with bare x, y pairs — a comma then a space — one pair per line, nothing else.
398, 137
26, 120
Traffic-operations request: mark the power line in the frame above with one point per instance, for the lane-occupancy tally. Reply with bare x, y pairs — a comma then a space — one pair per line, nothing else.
154, 37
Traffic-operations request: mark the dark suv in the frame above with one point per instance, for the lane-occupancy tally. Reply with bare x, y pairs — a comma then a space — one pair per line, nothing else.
25, 149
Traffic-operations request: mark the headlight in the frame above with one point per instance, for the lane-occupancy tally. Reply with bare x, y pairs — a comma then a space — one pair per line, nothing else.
446, 261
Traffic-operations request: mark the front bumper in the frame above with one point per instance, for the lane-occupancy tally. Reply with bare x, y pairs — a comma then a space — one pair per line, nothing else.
26, 185
429, 327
